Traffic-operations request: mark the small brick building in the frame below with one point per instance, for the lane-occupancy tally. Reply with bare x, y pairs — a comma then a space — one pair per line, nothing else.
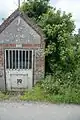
22, 59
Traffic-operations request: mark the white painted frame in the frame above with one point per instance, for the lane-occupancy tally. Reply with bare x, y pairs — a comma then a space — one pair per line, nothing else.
25, 50
13, 71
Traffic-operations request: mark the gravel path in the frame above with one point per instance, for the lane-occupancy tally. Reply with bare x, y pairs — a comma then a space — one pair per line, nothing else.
38, 111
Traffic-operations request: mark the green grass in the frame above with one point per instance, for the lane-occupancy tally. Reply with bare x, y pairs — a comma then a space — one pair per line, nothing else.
69, 95
10, 95
38, 94
3, 96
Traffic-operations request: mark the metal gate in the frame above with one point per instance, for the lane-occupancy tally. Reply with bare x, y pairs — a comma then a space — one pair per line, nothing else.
18, 68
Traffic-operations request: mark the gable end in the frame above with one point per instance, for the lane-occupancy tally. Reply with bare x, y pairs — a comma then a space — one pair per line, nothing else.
17, 13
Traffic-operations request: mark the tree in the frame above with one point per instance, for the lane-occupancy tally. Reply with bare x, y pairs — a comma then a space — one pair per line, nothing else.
58, 28
35, 8
76, 47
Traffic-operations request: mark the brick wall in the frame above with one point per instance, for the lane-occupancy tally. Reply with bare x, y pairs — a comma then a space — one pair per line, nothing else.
29, 36
39, 61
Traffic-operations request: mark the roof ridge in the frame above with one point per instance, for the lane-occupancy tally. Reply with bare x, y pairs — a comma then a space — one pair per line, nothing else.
29, 21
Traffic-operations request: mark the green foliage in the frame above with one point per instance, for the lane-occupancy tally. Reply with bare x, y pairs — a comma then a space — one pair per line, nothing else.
70, 97
35, 8
57, 83
76, 48
65, 95
3, 96
62, 88
58, 28
62, 53
36, 94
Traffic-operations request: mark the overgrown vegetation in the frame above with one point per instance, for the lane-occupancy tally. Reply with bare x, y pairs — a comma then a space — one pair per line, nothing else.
62, 54
10, 95
58, 28
36, 94
63, 89
3, 96
60, 94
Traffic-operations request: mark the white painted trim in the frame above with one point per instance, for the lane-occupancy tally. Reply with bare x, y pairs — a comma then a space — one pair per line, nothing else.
25, 59
16, 72
25, 50
15, 59
8, 58
28, 58
5, 59
22, 58
12, 58
18, 59
32, 66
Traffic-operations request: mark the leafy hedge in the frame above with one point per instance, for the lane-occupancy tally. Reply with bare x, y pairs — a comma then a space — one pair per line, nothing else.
62, 52
63, 87
59, 88
69, 95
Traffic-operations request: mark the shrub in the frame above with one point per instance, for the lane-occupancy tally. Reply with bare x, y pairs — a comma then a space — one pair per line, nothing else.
58, 88
51, 85
3, 96
36, 94
60, 83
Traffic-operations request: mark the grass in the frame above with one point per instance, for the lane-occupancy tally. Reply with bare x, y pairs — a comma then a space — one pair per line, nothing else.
70, 95
10, 95
3, 96
38, 94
